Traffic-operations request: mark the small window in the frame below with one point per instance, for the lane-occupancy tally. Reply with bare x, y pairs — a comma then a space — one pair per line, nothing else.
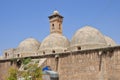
8, 55
79, 48
59, 26
43, 52
18, 55
5, 55
52, 26
65, 50
53, 51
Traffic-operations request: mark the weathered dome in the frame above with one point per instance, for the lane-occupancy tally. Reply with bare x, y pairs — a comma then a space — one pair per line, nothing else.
87, 38
109, 41
54, 43
29, 45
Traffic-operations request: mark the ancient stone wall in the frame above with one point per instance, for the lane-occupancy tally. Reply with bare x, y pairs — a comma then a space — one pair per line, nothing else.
4, 66
79, 66
111, 65
97, 64
103, 64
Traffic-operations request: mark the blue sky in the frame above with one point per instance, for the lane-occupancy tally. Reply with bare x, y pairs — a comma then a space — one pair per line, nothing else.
21, 19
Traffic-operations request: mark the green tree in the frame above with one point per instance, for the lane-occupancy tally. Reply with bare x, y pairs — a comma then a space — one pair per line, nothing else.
35, 72
26, 61
30, 69
12, 74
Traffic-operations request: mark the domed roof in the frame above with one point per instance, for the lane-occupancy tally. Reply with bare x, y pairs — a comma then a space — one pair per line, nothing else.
87, 38
29, 45
55, 12
109, 41
54, 43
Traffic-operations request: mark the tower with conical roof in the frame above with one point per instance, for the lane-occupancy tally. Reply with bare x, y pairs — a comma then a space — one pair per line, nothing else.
56, 22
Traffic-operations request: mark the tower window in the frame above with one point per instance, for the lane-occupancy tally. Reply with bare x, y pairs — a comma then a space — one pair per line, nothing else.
53, 51
59, 26
79, 48
52, 26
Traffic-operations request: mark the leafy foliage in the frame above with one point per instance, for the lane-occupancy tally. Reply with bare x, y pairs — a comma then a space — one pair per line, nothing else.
26, 61
31, 70
35, 71
12, 74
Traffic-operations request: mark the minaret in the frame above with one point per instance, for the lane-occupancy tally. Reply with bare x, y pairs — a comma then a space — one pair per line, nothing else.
56, 22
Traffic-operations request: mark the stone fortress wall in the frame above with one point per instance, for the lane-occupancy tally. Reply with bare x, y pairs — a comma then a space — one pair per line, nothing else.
4, 68
97, 64
94, 64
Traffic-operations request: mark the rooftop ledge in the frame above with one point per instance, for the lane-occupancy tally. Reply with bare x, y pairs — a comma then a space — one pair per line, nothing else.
65, 53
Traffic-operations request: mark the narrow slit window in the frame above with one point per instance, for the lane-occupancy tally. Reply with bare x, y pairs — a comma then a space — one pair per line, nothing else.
59, 26
52, 26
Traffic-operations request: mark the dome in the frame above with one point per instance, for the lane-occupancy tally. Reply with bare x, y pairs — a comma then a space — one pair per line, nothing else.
55, 12
109, 41
29, 45
54, 43
87, 38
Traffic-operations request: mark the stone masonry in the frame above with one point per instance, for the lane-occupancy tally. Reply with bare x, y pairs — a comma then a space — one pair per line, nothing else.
94, 64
